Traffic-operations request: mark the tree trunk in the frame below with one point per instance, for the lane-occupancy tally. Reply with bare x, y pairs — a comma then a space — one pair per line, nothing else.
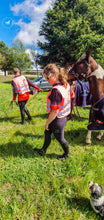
5, 73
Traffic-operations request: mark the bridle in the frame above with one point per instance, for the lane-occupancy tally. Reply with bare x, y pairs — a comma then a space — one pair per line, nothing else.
84, 75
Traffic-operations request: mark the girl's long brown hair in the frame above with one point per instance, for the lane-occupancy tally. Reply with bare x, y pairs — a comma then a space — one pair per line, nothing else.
53, 68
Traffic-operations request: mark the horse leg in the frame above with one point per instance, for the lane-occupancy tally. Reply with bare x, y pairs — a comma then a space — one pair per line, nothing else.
100, 135
88, 138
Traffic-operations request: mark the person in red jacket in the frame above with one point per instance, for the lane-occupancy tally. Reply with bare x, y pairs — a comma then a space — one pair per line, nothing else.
58, 107
20, 87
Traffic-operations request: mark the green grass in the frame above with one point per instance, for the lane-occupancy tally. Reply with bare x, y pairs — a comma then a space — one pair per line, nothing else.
41, 188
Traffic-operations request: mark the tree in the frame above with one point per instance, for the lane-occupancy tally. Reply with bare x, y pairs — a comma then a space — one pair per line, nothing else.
5, 57
1, 60
15, 56
69, 28
21, 58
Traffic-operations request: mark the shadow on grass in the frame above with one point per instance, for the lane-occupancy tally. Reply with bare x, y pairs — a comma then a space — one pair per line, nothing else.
22, 150
19, 133
11, 119
77, 118
78, 136
14, 119
43, 116
50, 156
7, 82
77, 202
81, 203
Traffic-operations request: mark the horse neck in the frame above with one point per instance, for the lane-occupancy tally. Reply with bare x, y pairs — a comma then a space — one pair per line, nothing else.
96, 85
93, 66
96, 88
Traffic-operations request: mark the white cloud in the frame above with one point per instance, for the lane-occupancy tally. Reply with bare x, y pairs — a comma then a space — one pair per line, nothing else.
29, 32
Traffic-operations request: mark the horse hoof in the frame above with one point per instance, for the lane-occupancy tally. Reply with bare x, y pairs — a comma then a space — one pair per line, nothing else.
88, 144
98, 138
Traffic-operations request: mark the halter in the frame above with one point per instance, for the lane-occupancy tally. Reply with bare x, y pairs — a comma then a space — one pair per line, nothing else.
83, 74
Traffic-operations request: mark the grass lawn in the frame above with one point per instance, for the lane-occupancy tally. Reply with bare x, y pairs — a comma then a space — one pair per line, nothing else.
42, 188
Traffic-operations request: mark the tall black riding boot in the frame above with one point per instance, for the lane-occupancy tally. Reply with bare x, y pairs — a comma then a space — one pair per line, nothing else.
47, 142
23, 118
67, 153
27, 113
21, 106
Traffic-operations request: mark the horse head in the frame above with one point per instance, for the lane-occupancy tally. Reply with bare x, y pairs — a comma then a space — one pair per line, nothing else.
82, 69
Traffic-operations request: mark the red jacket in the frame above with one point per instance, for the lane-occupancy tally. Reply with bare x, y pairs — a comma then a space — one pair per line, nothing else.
20, 86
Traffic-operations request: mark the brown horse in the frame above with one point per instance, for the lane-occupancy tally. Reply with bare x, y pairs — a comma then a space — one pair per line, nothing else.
87, 68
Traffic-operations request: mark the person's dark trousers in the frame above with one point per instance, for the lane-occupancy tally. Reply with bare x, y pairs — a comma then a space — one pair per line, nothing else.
57, 128
47, 142
23, 110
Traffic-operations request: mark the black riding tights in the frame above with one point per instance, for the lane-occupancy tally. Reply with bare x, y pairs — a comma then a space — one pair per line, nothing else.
23, 110
57, 128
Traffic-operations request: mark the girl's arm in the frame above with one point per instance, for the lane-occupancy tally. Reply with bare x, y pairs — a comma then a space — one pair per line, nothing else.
51, 117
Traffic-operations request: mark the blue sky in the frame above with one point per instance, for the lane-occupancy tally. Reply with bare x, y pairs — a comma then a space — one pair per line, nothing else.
22, 19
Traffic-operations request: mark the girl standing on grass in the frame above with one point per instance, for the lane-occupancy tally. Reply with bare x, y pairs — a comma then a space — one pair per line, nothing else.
58, 107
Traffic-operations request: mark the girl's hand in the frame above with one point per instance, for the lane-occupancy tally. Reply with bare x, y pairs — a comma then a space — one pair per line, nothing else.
46, 126
51, 117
